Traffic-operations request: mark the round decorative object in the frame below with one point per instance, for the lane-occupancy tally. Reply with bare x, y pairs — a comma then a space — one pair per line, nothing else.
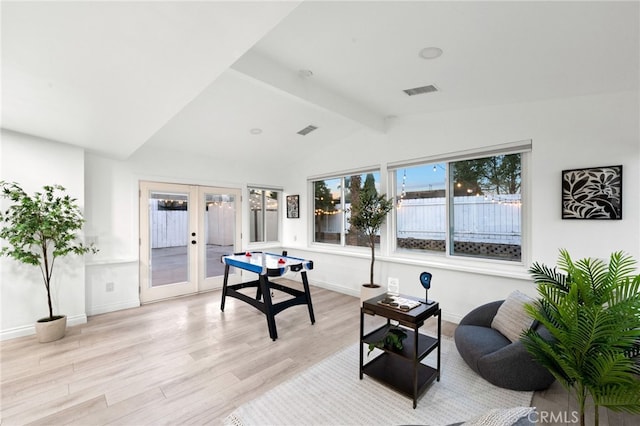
425, 280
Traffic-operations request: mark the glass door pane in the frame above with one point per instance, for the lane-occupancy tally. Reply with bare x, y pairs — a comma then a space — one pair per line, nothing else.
219, 221
169, 231
219, 230
168, 240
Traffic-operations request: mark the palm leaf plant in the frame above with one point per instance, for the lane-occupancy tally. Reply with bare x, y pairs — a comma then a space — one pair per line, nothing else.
592, 310
41, 228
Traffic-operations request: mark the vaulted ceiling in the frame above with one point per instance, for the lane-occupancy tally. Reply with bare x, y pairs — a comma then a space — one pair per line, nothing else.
200, 77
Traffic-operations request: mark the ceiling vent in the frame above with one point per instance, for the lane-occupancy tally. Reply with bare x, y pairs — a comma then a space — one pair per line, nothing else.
420, 90
304, 132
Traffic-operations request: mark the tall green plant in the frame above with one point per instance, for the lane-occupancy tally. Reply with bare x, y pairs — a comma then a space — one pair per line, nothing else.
40, 228
592, 310
368, 214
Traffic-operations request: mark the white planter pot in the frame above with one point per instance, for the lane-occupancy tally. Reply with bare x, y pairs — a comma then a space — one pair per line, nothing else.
367, 293
49, 331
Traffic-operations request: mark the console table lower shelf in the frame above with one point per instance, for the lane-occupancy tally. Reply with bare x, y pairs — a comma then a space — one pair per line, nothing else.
398, 374
403, 371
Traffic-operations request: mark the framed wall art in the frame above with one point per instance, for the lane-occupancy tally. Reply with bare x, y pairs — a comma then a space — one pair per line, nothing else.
593, 193
293, 203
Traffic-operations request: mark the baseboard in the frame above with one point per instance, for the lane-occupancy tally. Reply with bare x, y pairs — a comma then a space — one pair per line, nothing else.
13, 333
451, 318
336, 288
29, 330
112, 307
351, 292
322, 284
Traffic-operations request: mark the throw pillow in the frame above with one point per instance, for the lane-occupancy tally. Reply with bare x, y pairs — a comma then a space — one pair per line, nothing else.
511, 318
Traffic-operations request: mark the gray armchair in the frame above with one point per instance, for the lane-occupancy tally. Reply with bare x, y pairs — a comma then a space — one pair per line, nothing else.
494, 357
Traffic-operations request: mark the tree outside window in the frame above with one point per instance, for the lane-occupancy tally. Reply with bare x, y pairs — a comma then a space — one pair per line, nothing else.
331, 214
466, 208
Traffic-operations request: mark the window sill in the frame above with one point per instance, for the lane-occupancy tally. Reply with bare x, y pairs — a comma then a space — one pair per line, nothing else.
114, 261
491, 267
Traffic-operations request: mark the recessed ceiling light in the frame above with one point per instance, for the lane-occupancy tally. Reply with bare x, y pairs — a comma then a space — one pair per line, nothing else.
255, 131
430, 53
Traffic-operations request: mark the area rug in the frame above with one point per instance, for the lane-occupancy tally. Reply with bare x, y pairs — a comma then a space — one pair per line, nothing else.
331, 393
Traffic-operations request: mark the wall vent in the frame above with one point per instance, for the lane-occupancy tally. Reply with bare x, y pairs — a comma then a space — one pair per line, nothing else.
420, 90
310, 128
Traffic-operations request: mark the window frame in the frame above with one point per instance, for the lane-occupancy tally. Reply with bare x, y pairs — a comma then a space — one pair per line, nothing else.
342, 244
265, 230
521, 147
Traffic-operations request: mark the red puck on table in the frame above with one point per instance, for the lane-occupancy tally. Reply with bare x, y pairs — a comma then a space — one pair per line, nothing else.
282, 261
248, 254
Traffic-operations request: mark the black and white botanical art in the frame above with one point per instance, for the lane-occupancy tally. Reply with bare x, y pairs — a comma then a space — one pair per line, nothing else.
594, 193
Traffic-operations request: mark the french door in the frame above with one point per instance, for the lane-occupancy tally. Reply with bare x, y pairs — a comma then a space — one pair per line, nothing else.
184, 230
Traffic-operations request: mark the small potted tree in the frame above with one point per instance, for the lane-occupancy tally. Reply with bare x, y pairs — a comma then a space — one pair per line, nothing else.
368, 214
39, 229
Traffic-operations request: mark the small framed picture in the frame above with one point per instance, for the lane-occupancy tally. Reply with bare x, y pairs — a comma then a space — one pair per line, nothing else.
593, 193
293, 206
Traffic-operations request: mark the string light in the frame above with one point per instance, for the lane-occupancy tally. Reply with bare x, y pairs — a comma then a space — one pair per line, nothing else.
403, 191
321, 212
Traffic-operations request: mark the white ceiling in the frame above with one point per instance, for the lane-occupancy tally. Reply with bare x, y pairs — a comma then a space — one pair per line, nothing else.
113, 77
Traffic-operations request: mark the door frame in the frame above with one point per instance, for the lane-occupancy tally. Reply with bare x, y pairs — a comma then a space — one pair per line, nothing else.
197, 282
212, 283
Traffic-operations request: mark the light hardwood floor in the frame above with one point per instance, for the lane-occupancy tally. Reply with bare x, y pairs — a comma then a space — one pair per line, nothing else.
183, 361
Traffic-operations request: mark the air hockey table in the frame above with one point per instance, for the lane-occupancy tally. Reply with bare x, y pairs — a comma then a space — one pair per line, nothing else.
268, 265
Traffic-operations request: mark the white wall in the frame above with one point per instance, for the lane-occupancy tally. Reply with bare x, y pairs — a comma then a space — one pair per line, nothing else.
112, 212
566, 133
34, 162
112, 222
571, 133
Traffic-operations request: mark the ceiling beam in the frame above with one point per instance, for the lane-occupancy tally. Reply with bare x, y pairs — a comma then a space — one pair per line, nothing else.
296, 84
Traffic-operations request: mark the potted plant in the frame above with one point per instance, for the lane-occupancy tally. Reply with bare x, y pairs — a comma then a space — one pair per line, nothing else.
39, 229
592, 310
392, 339
368, 213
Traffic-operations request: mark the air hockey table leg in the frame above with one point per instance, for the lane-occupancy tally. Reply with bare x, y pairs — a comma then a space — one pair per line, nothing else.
224, 286
305, 283
259, 291
268, 307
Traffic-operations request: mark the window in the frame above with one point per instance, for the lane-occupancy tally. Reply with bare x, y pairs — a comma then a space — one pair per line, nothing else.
487, 207
332, 202
469, 207
328, 211
264, 207
421, 214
